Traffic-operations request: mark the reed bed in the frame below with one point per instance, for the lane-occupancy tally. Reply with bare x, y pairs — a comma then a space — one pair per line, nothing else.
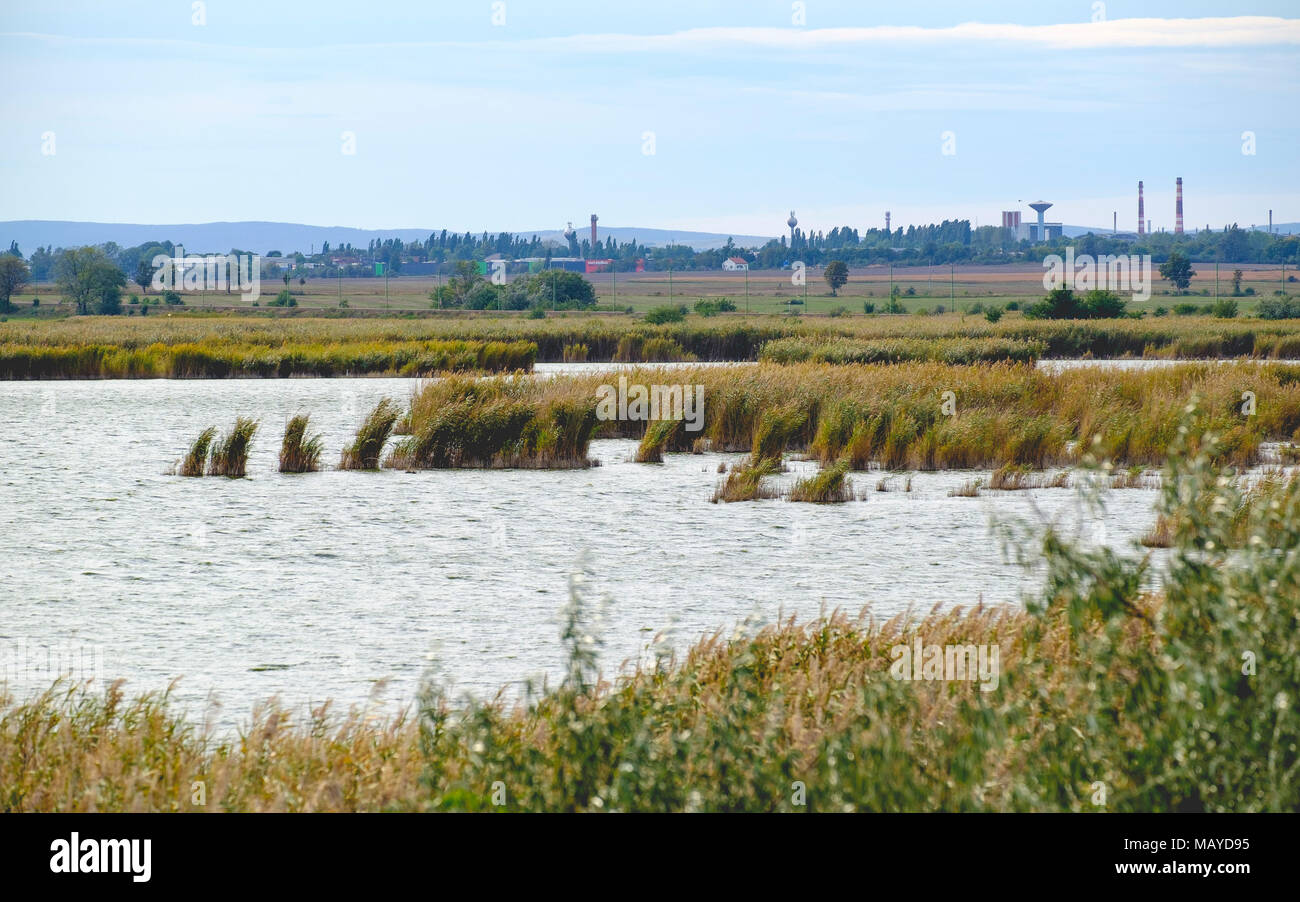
230, 455
196, 458
901, 417
1096, 682
212, 359
368, 445
899, 350
211, 345
830, 485
298, 452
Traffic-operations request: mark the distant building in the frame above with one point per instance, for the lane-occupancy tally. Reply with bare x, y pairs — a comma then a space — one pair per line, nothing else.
1011, 219
735, 264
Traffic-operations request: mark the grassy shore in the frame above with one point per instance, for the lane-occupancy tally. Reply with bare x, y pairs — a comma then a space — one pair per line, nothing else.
1102, 698
232, 345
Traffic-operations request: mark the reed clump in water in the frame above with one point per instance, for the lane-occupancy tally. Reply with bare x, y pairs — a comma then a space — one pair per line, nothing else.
368, 445
230, 455
1011, 477
657, 435
501, 422
196, 459
298, 453
829, 486
745, 483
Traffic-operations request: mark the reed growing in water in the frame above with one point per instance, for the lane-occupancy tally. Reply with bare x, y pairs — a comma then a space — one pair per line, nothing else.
829, 486
298, 453
745, 483
196, 458
500, 422
368, 445
230, 455
657, 435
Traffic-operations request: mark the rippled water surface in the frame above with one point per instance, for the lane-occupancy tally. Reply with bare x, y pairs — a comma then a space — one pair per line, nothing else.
317, 586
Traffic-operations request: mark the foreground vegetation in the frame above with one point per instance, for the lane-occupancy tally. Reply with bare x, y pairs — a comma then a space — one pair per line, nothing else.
1106, 699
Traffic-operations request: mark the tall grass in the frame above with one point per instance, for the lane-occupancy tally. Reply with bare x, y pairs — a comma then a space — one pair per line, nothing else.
368, 445
298, 453
1098, 682
230, 455
196, 458
898, 350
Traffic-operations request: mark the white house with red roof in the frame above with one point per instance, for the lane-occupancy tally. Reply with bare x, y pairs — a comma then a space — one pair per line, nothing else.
735, 264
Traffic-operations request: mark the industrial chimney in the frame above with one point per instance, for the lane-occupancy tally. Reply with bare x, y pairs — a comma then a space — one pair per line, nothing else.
1178, 209
1142, 211
887, 222
593, 234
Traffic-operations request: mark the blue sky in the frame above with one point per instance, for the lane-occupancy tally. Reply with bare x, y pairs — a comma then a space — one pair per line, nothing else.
466, 124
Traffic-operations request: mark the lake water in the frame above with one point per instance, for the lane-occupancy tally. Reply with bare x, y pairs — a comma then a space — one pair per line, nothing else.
331, 585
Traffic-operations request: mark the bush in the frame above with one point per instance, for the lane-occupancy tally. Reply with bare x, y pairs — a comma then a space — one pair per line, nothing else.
172, 298
1013, 305
993, 314
714, 306
283, 299
665, 314
1224, 308
1281, 308
868, 307
1160, 311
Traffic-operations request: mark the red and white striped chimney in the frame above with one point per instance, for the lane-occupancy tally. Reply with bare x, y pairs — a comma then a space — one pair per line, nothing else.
1178, 209
1142, 211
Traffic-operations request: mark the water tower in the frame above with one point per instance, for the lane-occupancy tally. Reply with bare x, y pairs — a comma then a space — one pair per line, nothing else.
1040, 207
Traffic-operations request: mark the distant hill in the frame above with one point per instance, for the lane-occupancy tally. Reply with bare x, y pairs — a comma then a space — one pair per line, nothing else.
1279, 228
287, 237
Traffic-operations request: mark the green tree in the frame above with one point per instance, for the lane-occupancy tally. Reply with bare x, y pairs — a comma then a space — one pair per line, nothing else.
1236, 282
144, 271
1177, 269
14, 274
87, 276
836, 275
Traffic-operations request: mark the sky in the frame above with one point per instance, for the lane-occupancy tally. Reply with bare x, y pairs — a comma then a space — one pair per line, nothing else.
710, 116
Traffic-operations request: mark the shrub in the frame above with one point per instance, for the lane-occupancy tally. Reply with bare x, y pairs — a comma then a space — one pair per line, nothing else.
1224, 308
665, 314
993, 314
172, 298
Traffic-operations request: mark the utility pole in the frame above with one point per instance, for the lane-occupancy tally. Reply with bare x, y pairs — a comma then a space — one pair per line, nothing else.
952, 284
1216, 280
891, 287
613, 279
747, 286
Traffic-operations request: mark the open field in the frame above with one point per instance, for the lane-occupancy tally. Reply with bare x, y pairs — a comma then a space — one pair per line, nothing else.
1094, 684
760, 291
